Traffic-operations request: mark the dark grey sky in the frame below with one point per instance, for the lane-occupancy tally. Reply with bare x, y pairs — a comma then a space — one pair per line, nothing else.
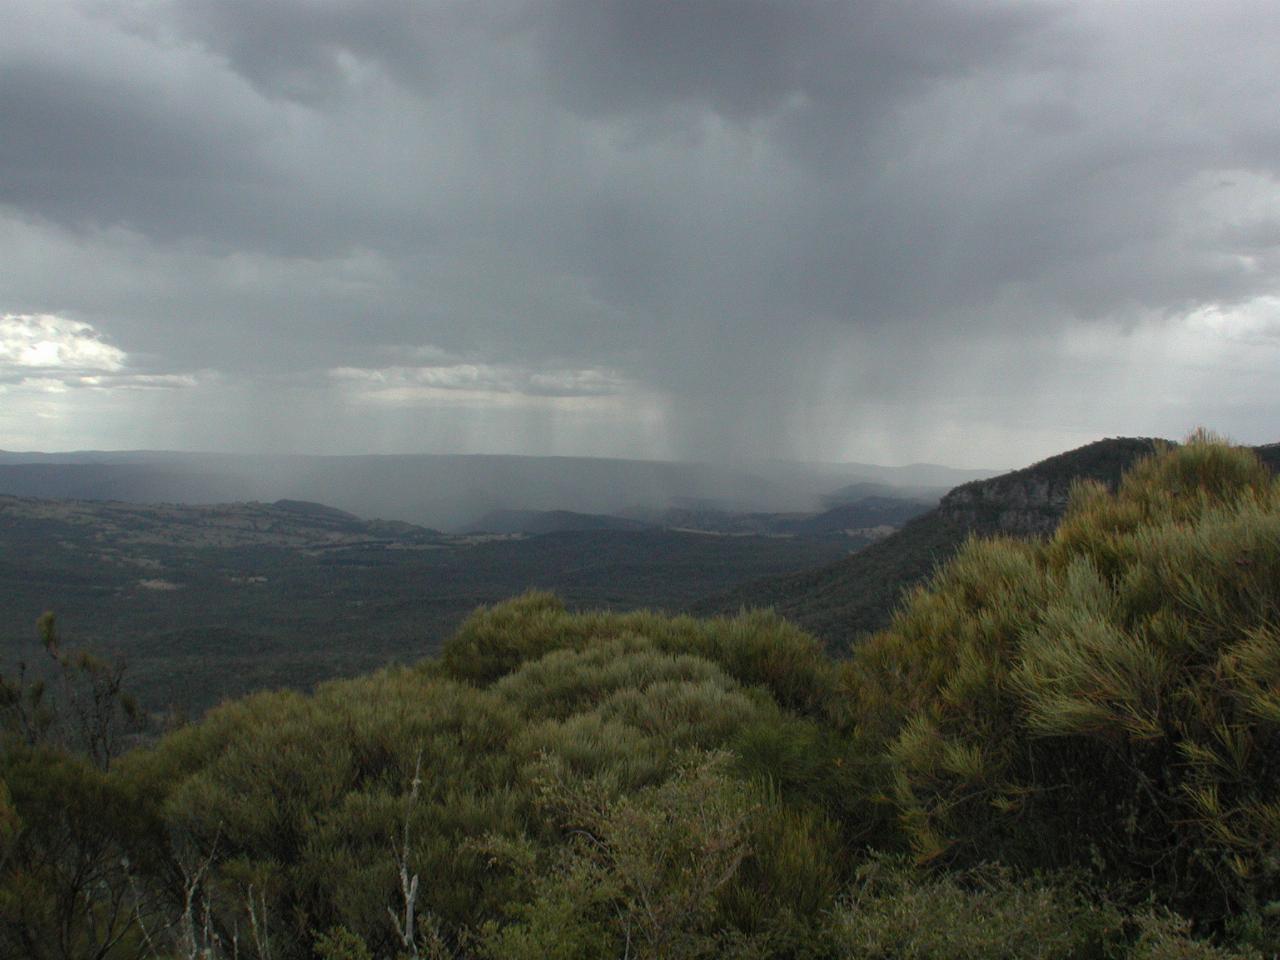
974, 233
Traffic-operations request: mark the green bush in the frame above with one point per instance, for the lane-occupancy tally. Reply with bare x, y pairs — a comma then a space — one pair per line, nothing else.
1166, 936
642, 874
341, 944
295, 814
755, 648
898, 913
66, 836
1108, 698
300, 803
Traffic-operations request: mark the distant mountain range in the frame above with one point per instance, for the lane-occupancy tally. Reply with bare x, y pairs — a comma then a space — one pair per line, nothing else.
843, 600
453, 492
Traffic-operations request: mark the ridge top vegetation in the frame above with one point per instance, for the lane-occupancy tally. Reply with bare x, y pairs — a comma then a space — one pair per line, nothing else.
1066, 747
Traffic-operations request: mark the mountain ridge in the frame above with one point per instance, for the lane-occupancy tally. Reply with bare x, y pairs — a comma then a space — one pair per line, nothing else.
442, 490
856, 595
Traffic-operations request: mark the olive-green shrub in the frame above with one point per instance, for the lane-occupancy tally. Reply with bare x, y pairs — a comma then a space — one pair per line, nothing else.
303, 820
1108, 698
897, 912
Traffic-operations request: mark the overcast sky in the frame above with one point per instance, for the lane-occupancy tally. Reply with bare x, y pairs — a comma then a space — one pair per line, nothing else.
970, 233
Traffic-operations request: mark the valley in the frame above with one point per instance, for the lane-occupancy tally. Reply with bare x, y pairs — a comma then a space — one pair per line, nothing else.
209, 601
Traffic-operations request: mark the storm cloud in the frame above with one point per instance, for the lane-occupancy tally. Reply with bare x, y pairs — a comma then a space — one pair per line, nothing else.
971, 232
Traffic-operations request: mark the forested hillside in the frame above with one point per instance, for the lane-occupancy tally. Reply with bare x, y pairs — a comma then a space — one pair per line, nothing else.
1059, 748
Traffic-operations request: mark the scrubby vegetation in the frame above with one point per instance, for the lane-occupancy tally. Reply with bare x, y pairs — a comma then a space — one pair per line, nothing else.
1067, 748
1113, 693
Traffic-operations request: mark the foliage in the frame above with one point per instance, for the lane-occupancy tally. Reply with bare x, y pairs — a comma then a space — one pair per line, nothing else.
894, 911
323, 812
643, 872
65, 890
1166, 936
1107, 697
755, 648
66, 828
341, 944
84, 709
1079, 739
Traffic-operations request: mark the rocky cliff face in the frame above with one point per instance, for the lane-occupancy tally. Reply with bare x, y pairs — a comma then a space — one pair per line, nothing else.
1030, 507
1032, 501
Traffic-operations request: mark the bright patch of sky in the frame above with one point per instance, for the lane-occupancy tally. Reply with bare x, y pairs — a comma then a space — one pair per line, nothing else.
44, 342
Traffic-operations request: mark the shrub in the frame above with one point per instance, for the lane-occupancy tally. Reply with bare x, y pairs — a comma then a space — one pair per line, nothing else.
642, 874
297, 803
290, 812
755, 648
1111, 696
1167, 936
897, 913
65, 833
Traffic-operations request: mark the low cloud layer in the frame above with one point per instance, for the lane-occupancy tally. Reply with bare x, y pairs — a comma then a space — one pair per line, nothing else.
972, 232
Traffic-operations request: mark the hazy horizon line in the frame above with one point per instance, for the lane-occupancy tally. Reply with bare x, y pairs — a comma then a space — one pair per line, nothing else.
727, 461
